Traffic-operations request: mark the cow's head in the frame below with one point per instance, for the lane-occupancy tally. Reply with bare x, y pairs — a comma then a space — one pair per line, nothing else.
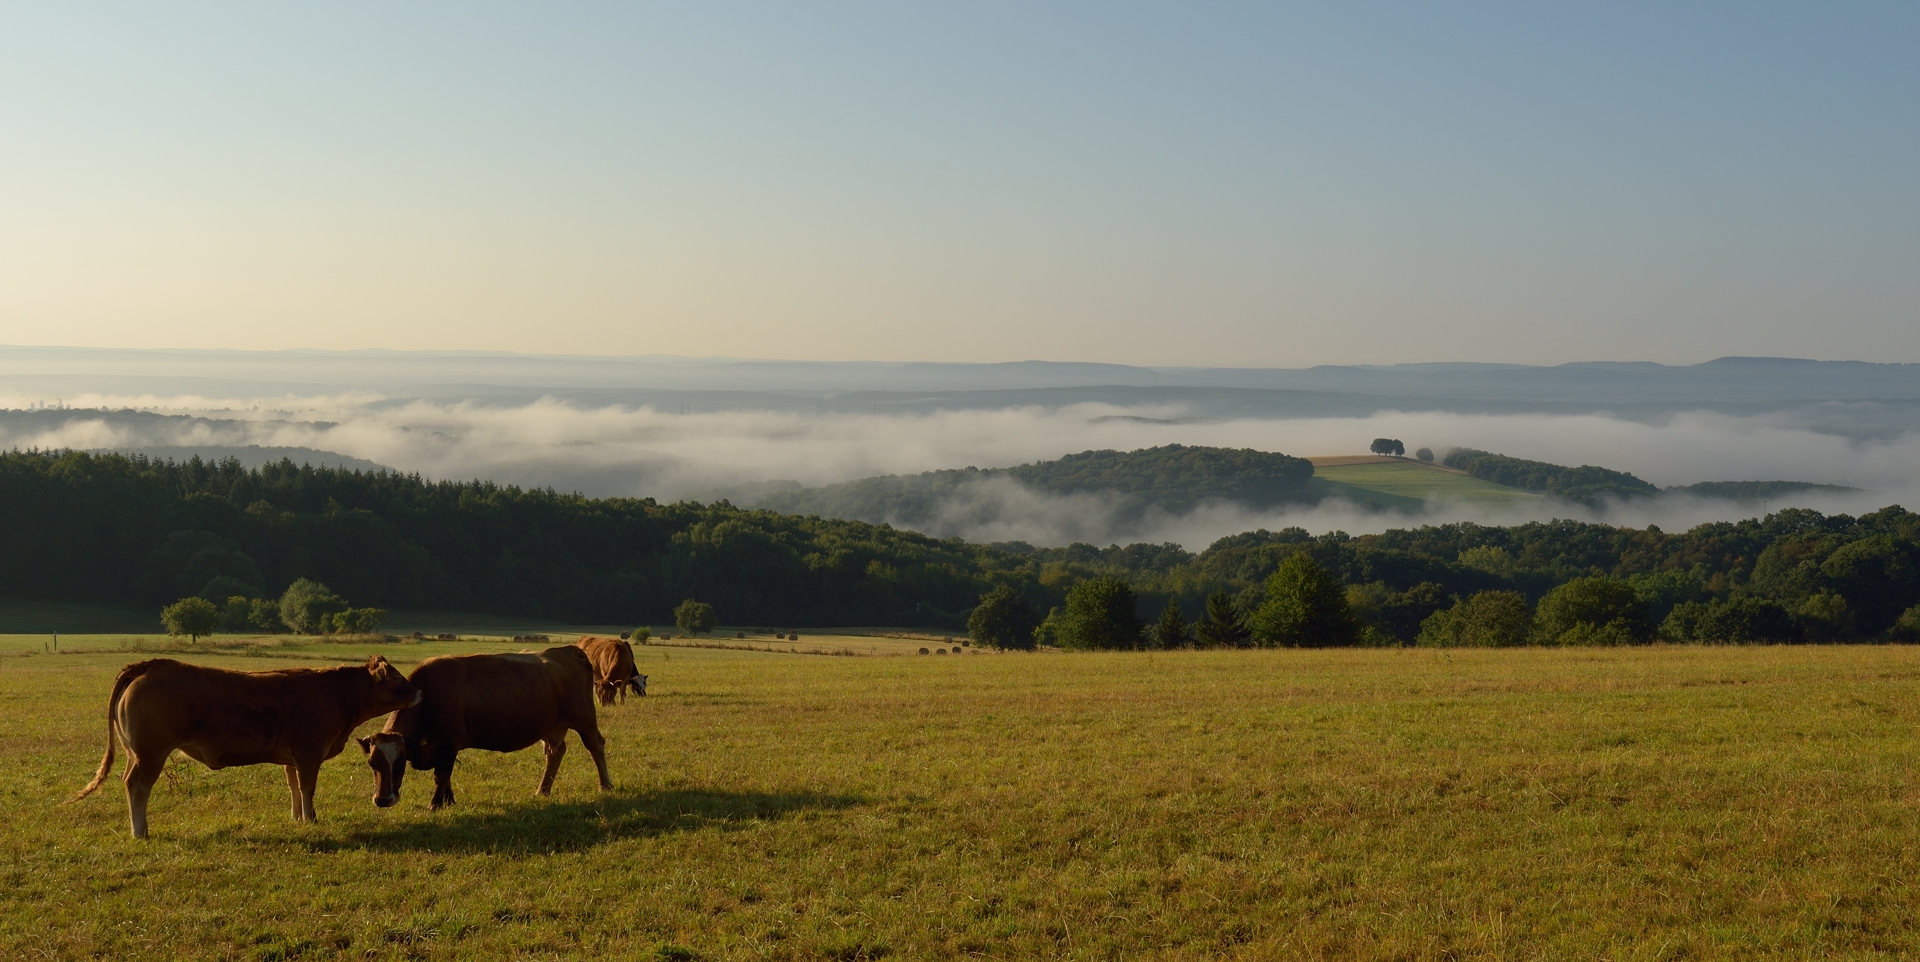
391, 690
639, 685
387, 756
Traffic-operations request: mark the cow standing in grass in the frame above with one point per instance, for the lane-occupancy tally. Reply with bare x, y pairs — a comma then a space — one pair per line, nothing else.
613, 668
295, 717
500, 703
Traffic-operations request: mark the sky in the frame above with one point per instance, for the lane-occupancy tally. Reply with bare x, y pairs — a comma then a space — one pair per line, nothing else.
1174, 184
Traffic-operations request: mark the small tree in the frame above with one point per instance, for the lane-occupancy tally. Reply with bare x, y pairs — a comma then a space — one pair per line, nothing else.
1101, 613
192, 617
1387, 446
1222, 626
357, 621
695, 616
1171, 631
641, 636
1306, 607
264, 614
1592, 611
1489, 619
1002, 619
233, 615
306, 604
1424, 454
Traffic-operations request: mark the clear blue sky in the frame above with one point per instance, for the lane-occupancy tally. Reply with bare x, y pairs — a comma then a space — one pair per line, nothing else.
1170, 184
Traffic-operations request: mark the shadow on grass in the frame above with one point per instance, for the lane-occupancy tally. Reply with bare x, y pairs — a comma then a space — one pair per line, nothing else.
539, 826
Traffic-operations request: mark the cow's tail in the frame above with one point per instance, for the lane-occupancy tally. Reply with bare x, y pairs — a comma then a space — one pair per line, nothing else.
120, 683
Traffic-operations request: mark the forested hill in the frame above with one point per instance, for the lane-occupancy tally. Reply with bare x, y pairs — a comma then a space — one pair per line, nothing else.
110, 528
1585, 484
1173, 478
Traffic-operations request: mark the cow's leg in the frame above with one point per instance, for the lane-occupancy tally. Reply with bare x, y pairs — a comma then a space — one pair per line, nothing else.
443, 780
293, 789
555, 743
597, 747
309, 771
142, 772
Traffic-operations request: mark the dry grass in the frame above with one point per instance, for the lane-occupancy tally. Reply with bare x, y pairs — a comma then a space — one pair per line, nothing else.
1649, 803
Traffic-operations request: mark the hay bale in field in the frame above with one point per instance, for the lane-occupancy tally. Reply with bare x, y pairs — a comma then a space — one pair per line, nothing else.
923, 651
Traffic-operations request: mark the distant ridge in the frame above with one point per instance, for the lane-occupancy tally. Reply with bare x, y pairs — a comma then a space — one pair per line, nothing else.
251, 455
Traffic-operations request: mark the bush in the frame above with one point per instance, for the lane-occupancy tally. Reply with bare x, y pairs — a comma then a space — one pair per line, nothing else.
1824, 616
1306, 607
264, 614
1907, 626
1592, 611
356, 621
234, 614
696, 617
193, 617
1489, 619
1424, 454
641, 636
306, 604
1101, 613
1734, 621
1002, 619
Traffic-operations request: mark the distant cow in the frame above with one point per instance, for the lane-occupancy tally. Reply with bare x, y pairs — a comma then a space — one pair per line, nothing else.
500, 703
295, 717
613, 668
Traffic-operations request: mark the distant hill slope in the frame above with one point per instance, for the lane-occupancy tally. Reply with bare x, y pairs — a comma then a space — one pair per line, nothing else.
1588, 484
1173, 478
1409, 484
1585, 484
251, 455
1756, 491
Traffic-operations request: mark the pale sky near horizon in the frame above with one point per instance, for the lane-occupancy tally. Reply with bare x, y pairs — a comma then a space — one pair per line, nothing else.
1225, 184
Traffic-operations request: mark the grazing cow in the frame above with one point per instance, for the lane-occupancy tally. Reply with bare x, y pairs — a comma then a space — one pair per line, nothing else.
295, 717
613, 668
500, 703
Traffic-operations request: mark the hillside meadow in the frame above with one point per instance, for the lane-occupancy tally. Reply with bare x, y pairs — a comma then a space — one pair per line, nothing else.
1644, 803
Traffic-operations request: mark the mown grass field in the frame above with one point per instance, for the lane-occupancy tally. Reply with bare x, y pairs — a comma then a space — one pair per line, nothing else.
1377, 804
1418, 482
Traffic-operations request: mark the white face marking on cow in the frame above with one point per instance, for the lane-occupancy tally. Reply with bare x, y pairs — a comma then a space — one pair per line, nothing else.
391, 750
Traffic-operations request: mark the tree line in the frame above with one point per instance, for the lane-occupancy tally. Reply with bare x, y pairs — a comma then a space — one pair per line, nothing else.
120, 529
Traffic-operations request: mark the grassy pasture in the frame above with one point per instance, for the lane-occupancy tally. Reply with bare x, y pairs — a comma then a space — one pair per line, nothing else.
1416, 482
1405, 804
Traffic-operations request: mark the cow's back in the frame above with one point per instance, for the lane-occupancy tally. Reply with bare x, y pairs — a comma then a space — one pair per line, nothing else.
499, 703
229, 718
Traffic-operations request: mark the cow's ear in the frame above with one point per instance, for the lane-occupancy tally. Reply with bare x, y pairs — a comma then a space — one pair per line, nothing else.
377, 667
366, 745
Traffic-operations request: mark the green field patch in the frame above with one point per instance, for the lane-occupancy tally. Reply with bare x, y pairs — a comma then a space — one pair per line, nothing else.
1704, 802
1415, 484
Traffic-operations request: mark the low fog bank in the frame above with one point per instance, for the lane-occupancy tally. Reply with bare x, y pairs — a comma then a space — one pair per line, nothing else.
644, 451
1001, 509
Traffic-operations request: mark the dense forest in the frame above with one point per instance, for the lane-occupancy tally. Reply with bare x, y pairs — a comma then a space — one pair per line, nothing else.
111, 528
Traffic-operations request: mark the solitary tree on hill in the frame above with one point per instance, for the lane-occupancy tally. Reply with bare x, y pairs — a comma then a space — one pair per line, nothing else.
1388, 446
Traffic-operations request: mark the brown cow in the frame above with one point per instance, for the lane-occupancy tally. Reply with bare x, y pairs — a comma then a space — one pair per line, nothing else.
294, 717
500, 703
613, 668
